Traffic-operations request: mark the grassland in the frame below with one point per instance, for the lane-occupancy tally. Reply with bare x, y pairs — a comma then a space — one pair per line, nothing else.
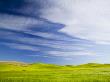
39, 72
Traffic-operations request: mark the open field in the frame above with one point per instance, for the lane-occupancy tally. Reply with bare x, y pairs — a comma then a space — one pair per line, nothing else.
39, 72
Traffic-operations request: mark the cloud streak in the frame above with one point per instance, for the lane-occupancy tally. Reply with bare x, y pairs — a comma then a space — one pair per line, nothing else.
88, 19
33, 26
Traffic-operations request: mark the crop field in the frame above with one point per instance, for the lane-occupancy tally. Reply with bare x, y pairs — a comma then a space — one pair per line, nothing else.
39, 72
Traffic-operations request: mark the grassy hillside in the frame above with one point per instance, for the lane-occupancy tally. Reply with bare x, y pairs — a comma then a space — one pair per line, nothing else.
40, 72
19, 66
90, 65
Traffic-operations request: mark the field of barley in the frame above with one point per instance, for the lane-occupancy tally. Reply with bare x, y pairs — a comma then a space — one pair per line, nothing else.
39, 72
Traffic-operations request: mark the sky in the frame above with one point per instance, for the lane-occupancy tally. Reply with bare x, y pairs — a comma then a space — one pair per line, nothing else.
55, 31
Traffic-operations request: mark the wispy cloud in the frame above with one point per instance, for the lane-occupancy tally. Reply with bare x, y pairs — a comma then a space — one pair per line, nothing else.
20, 23
22, 47
88, 19
64, 32
71, 54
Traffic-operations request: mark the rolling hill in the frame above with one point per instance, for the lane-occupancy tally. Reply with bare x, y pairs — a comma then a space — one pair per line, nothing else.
21, 66
12, 71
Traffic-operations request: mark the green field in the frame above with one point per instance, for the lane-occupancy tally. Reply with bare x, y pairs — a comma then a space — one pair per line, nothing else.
39, 72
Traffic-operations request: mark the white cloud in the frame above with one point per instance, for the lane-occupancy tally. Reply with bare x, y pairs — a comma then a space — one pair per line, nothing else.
71, 54
69, 58
48, 35
62, 45
22, 47
17, 22
87, 19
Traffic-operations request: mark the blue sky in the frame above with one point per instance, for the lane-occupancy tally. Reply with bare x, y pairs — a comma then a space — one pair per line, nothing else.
53, 31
